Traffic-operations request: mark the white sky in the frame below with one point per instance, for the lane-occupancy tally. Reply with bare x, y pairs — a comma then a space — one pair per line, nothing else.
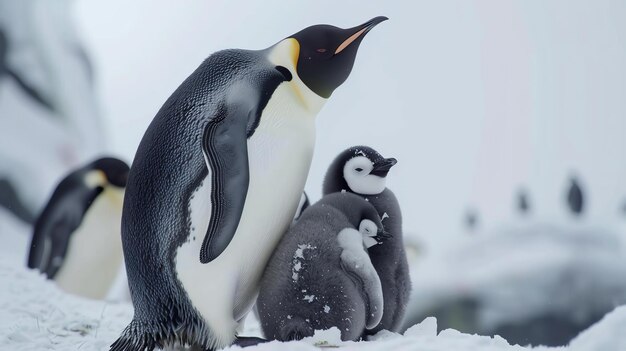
474, 98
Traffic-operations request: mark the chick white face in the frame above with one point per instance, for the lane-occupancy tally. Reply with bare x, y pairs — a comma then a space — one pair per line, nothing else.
369, 231
357, 173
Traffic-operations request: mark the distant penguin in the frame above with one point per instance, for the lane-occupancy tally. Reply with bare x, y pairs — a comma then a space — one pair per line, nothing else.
575, 199
320, 275
522, 202
76, 239
216, 181
6, 70
363, 171
471, 219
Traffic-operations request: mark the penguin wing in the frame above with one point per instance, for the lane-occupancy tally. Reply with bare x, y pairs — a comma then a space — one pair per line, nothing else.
54, 227
225, 147
357, 264
226, 153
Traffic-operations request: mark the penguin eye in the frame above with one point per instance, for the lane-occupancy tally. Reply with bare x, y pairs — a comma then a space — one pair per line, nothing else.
321, 51
359, 169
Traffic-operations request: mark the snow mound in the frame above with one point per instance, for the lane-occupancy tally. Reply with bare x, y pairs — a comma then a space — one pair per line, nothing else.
427, 328
606, 335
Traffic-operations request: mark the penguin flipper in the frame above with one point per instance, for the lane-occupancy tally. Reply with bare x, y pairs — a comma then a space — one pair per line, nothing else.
225, 148
356, 262
38, 253
53, 229
51, 237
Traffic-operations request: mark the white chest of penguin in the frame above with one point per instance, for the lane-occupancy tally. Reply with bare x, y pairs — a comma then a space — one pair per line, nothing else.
96, 246
279, 157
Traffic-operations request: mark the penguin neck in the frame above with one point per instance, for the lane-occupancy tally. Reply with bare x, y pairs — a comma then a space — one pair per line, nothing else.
285, 54
114, 194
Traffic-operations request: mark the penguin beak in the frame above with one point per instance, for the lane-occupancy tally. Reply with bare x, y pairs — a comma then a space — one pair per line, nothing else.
382, 167
357, 33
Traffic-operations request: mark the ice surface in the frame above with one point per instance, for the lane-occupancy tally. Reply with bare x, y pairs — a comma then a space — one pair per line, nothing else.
36, 315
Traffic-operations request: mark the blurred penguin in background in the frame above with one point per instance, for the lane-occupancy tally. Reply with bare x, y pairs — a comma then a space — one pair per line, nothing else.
575, 198
50, 120
77, 238
523, 205
470, 220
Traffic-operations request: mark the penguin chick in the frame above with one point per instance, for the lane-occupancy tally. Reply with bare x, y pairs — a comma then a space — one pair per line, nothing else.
320, 275
363, 171
76, 239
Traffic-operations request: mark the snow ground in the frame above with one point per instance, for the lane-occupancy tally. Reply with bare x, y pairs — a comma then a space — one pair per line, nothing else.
36, 315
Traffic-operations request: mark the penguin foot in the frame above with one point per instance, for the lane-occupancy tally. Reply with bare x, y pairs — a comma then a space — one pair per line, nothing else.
245, 341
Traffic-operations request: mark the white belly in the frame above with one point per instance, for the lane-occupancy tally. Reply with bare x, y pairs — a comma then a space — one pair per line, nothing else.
279, 153
94, 255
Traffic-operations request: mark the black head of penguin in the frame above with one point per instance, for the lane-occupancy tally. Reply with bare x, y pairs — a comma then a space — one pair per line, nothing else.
354, 208
115, 171
359, 169
327, 54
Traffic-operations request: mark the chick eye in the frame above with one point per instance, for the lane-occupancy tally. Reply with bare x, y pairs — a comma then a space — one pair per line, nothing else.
321, 51
359, 169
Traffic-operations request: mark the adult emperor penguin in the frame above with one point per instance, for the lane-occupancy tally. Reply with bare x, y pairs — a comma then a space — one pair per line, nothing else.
76, 239
320, 275
216, 181
363, 171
